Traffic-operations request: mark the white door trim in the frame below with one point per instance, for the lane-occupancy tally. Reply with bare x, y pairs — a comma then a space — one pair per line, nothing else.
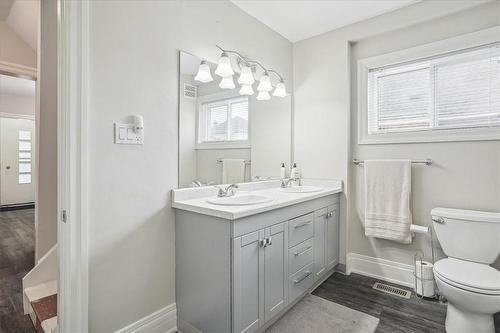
72, 165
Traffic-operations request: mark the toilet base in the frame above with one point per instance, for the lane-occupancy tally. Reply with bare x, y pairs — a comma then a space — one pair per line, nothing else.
459, 321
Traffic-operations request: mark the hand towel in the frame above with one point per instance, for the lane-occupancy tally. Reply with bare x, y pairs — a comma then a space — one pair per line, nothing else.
233, 171
387, 200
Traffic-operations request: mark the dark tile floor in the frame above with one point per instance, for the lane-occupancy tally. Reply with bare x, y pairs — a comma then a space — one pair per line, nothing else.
16, 259
396, 314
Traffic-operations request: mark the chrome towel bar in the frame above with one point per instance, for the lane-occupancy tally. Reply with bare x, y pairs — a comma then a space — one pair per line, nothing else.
427, 161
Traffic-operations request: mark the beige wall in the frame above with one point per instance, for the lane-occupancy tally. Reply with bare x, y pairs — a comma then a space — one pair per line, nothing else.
134, 70
13, 49
465, 174
19, 104
322, 97
46, 121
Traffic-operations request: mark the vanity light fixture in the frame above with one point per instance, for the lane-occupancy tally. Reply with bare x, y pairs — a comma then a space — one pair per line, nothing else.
224, 68
227, 83
265, 83
246, 75
263, 96
280, 90
246, 78
246, 90
203, 74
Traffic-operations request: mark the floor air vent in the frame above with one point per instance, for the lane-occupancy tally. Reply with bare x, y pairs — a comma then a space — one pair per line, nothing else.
392, 290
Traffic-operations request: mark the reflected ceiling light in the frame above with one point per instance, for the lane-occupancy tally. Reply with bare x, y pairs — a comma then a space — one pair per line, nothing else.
246, 89
280, 90
246, 76
203, 74
265, 83
227, 83
224, 68
263, 96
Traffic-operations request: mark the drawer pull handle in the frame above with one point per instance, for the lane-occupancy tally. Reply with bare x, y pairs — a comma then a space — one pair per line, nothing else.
303, 251
299, 280
302, 224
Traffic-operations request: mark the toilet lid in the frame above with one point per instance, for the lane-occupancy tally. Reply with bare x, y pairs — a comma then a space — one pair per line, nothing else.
469, 275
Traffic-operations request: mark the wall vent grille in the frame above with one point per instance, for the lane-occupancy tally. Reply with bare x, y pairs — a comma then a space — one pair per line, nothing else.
392, 290
190, 91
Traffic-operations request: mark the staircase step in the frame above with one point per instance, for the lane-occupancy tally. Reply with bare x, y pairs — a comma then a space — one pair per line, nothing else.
44, 308
49, 325
41, 290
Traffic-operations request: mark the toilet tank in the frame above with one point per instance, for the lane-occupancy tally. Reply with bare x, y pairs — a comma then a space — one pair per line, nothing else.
468, 234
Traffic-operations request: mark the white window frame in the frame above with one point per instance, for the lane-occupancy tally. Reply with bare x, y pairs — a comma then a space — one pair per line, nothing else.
226, 144
455, 44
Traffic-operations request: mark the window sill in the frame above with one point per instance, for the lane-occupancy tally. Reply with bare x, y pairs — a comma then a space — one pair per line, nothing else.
484, 134
224, 145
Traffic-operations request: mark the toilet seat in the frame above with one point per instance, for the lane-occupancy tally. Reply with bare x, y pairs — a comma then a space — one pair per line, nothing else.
467, 275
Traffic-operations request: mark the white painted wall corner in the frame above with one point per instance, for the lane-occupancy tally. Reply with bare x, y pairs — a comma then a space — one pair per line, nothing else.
386, 270
161, 321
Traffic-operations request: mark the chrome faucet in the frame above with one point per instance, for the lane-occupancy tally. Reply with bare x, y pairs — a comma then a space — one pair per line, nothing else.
287, 182
226, 192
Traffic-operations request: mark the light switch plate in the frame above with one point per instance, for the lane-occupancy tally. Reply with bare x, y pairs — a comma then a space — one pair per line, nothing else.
125, 135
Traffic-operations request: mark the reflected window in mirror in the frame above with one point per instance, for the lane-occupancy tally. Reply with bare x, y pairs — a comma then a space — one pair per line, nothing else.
223, 122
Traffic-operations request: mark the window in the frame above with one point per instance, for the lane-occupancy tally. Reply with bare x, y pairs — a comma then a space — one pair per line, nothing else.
452, 96
223, 123
24, 157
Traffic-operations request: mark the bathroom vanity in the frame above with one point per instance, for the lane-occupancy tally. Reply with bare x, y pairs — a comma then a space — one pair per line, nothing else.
240, 266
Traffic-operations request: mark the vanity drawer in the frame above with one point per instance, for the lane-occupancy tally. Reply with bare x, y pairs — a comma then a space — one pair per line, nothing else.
300, 255
300, 229
300, 282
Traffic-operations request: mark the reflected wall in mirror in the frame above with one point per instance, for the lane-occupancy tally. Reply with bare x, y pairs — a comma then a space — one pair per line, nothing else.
225, 137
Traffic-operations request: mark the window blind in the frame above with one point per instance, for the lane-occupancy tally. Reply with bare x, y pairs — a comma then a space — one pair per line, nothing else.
453, 91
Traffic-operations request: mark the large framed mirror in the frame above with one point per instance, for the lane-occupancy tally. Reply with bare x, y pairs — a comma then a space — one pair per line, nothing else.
226, 137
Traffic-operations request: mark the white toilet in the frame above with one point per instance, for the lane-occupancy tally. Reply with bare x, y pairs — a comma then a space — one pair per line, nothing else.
471, 240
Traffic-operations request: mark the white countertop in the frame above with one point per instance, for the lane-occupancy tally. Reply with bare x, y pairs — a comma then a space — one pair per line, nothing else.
195, 199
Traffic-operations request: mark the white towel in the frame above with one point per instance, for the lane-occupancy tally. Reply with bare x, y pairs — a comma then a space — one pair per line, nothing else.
233, 171
387, 200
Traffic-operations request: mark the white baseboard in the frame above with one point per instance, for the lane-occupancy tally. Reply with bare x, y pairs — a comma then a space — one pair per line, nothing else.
386, 270
161, 321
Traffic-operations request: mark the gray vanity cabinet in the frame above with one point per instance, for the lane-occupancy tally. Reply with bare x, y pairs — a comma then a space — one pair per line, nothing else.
320, 240
259, 274
332, 236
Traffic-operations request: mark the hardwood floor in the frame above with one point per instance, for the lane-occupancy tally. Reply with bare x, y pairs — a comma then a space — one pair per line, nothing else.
16, 259
396, 314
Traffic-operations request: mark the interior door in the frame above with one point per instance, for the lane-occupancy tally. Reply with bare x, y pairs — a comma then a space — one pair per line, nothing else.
16, 161
276, 268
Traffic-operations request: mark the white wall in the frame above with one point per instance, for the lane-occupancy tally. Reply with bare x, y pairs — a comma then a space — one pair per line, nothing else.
465, 174
134, 69
18, 104
322, 93
46, 122
13, 49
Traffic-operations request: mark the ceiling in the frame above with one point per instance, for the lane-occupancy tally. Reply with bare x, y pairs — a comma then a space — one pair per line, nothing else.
10, 85
23, 19
301, 19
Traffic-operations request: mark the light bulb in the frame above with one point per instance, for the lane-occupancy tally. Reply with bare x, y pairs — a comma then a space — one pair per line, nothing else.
246, 89
263, 96
227, 83
265, 83
203, 74
224, 68
280, 90
246, 76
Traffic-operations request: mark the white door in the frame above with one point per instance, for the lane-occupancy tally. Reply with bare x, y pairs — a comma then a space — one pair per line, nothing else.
16, 161
275, 269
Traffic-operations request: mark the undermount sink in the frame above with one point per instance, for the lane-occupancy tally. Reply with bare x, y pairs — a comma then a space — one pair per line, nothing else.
301, 189
241, 200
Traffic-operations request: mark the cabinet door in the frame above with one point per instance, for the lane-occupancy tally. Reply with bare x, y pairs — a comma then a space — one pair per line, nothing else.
332, 236
276, 268
248, 282
320, 242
